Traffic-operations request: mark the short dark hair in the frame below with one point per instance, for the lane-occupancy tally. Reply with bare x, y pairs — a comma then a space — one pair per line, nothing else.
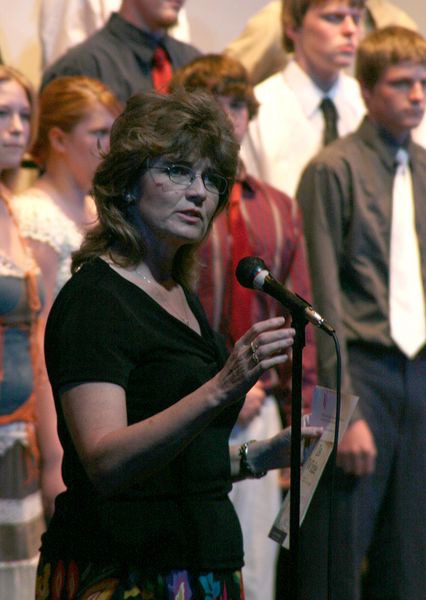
386, 47
294, 11
178, 126
219, 74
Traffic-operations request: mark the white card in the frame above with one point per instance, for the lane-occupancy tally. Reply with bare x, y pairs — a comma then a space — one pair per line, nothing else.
323, 415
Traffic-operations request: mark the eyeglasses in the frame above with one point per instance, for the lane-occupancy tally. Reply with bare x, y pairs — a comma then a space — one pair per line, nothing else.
184, 176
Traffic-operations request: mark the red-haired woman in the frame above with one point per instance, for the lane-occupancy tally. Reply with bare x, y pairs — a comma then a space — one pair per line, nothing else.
76, 114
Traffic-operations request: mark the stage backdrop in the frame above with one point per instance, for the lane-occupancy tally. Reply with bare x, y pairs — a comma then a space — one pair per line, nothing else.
212, 24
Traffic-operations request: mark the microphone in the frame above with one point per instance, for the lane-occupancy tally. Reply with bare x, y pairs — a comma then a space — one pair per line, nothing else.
252, 273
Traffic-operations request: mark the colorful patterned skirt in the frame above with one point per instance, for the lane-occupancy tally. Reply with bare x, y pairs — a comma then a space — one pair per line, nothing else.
71, 580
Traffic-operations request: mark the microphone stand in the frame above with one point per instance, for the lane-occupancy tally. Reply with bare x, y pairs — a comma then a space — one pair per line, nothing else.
299, 323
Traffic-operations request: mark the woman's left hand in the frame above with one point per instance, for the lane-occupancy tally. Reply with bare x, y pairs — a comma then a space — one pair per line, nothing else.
274, 452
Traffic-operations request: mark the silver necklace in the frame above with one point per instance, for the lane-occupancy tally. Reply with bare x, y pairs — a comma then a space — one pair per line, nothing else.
144, 277
165, 301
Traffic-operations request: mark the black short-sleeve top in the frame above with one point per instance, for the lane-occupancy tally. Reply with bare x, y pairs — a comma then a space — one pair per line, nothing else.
104, 328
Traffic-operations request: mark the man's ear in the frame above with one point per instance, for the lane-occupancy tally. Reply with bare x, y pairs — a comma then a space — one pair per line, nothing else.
291, 31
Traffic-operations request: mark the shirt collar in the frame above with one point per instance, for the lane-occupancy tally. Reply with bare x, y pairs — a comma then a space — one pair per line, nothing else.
307, 92
382, 142
243, 178
142, 40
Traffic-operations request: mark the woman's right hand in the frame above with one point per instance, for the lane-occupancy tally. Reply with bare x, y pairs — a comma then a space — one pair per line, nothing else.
265, 345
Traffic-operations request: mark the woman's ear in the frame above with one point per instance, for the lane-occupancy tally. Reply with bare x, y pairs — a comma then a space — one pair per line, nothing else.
136, 189
57, 139
366, 94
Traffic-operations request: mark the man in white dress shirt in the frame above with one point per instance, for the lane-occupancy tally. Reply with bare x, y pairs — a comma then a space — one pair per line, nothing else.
290, 127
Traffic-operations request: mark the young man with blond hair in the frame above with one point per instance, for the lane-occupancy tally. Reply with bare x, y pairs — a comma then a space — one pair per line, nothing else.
363, 201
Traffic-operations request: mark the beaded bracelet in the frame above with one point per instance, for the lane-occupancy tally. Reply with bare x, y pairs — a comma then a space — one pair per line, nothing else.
246, 470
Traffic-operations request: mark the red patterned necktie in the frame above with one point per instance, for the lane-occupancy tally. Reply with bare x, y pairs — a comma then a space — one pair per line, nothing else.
161, 70
240, 298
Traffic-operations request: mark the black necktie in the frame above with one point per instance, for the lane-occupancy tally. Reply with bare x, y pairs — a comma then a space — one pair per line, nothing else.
330, 120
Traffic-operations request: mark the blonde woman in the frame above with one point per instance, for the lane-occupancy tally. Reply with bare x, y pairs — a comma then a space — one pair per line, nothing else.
22, 384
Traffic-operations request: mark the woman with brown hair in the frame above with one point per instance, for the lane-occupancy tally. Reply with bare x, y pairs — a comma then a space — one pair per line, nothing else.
145, 395
259, 221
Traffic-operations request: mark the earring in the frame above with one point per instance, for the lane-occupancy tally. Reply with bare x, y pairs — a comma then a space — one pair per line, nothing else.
128, 198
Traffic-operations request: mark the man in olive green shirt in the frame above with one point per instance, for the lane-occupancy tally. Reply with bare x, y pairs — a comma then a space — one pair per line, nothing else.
355, 205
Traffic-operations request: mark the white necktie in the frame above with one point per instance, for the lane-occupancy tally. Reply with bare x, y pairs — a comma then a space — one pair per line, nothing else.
406, 294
